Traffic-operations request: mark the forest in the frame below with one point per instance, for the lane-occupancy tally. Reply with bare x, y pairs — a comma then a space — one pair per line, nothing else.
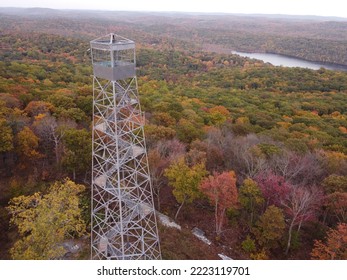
253, 155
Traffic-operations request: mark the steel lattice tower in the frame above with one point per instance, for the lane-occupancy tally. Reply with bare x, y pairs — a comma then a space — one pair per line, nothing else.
123, 215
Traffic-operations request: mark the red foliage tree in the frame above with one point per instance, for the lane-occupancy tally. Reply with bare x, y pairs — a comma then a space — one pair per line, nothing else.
222, 193
300, 204
273, 187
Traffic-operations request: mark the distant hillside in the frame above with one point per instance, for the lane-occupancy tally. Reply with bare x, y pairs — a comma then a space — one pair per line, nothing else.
29, 11
313, 38
42, 11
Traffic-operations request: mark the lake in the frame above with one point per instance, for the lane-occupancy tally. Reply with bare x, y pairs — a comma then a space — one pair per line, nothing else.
282, 60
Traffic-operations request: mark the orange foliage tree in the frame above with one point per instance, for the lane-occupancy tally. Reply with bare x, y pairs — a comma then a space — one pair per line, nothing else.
27, 145
335, 247
222, 193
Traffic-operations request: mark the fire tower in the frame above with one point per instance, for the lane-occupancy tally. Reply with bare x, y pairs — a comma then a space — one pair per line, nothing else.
123, 216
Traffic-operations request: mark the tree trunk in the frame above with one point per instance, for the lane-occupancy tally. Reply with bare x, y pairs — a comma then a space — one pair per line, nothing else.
252, 213
179, 208
158, 201
56, 146
299, 227
57, 160
216, 217
219, 224
289, 236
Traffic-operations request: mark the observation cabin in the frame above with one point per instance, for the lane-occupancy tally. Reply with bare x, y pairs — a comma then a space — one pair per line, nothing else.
113, 57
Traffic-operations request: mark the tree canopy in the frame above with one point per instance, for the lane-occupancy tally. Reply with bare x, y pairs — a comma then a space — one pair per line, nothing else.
185, 181
44, 221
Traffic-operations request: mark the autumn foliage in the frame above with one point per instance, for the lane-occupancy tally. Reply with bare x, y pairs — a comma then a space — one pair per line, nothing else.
45, 221
282, 130
273, 187
185, 181
335, 246
270, 228
221, 191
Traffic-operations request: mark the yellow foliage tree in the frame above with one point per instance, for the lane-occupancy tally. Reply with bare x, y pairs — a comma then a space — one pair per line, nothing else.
270, 227
45, 221
185, 181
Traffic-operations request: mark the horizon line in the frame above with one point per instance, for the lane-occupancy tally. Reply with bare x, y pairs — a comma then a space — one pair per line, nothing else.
178, 12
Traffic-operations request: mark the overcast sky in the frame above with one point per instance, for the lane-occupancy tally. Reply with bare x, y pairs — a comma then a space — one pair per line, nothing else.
292, 7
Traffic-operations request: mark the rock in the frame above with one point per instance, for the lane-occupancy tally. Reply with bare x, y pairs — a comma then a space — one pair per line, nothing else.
71, 247
166, 221
201, 235
224, 257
